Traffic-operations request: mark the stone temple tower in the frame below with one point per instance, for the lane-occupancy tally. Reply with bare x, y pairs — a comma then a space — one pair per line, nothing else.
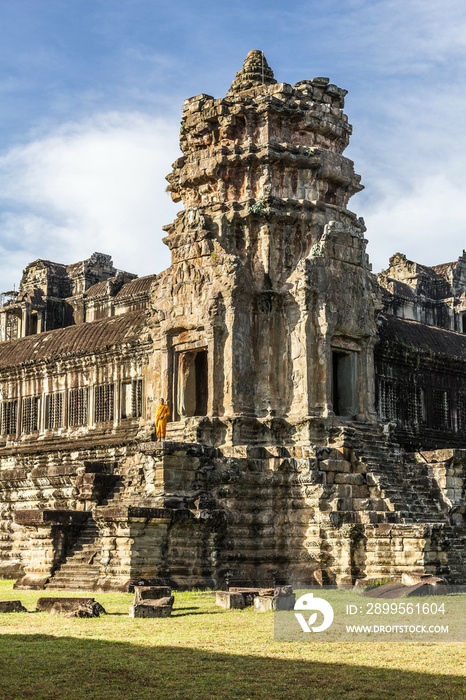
268, 315
261, 337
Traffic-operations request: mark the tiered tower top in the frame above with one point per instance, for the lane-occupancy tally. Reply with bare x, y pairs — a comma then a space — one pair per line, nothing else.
255, 71
264, 169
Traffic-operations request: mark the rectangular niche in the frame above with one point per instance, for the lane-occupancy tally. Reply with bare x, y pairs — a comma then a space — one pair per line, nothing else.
132, 398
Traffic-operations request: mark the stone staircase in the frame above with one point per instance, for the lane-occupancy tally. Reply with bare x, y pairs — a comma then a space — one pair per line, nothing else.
137, 487
82, 566
81, 569
406, 485
382, 511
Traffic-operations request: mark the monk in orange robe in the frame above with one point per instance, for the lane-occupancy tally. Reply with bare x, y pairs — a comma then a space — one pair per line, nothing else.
161, 416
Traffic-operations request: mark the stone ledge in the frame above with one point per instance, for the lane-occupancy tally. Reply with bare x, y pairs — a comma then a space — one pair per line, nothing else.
84, 442
130, 512
134, 513
169, 447
53, 517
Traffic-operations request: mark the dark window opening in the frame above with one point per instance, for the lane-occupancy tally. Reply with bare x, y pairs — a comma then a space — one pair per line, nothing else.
344, 383
463, 323
33, 324
331, 193
201, 383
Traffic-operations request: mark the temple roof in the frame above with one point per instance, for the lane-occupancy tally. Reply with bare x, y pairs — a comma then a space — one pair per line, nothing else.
445, 268
99, 289
421, 337
73, 340
255, 71
399, 289
136, 286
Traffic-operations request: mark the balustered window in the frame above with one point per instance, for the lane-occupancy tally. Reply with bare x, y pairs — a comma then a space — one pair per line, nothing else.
8, 416
441, 409
78, 409
462, 411
54, 412
104, 402
388, 400
423, 405
30, 414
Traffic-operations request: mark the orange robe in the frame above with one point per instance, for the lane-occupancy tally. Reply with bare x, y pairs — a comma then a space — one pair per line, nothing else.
161, 416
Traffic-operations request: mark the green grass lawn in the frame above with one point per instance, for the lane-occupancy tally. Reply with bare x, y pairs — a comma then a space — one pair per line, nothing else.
204, 652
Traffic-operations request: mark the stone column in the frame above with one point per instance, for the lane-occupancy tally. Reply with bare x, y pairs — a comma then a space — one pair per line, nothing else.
24, 322
133, 542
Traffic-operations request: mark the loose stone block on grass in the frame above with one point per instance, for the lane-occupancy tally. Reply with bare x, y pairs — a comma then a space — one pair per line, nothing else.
86, 610
161, 607
248, 594
278, 598
142, 593
7, 606
229, 600
265, 603
61, 604
86, 607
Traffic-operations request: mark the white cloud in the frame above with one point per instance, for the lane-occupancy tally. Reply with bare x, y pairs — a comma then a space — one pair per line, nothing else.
412, 163
396, 37
92, 186
426, 223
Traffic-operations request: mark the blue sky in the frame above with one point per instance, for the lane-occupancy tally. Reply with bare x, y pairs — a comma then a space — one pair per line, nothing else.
91, 94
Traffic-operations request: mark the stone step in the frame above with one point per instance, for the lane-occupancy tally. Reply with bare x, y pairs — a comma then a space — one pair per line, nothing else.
77, 585
77, 571
77, 560
89, 572
87, 541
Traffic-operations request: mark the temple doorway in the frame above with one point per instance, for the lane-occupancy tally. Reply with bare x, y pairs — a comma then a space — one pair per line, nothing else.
344, 383
191, 383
